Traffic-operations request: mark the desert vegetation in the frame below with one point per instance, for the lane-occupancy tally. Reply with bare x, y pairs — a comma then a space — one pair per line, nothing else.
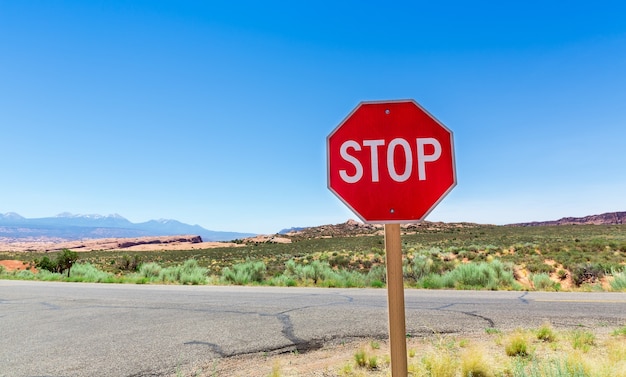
535, 352
552, 258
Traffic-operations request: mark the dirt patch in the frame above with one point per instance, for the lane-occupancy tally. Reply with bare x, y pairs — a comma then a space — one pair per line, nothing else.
325, 362
16, 265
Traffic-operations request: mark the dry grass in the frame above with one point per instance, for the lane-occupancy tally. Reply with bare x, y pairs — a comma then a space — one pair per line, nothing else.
482, 355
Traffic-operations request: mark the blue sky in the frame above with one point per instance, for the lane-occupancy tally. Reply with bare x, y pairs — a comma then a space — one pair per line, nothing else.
216, 113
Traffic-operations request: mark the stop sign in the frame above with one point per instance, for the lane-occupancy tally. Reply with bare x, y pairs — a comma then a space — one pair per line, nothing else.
390, 162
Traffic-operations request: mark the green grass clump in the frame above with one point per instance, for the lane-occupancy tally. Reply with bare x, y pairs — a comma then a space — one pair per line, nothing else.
546, 333
542, 282
245, 273
372, 362
360, 358
492, 275
475, 364
517, 345
620, 332
583, 340
189, 272
493, 331
86, 272
150, 270
417, 267
440, 363
619, 281
549, 368
45, 275
25, 275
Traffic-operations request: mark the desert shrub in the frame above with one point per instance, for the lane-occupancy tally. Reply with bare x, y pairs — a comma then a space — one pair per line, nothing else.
376, 277
494, 275
546, 333
46, 275
341, 261
129, 263
315, 272
349, 279
432, 281
89, 273
583, 340
192, 273
440, 363
619, 281
517, 345
150, 270
586, 273
187, 273
25, 275
418, 267
170, 274
244, 273
282, 281
474, 363
539, 267
542, 282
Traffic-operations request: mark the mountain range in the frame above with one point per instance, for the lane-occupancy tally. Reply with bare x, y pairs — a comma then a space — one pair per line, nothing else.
609, 218
68, 226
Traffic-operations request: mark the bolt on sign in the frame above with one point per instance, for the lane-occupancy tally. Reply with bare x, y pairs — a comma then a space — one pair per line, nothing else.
391, 162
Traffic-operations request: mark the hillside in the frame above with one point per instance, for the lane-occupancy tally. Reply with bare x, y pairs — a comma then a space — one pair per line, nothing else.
356, 228
610, 218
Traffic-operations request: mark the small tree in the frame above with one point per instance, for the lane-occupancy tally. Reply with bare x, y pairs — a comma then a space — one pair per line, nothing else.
65, 260
46, 264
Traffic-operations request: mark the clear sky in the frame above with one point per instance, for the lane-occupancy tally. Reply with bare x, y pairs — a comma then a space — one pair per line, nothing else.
216, 112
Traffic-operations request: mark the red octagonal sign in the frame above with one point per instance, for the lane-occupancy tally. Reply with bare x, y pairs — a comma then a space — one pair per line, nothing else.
391, 162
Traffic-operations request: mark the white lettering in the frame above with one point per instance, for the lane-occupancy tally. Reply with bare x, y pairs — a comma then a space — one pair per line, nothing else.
343, 151
374, 144
408, 160
423, 158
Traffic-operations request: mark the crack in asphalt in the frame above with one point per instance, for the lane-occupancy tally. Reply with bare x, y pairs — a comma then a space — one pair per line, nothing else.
216, 348
50, 306
522, 299
297, 344
443, 308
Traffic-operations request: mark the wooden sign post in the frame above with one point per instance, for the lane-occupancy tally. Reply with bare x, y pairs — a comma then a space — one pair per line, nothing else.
395, 300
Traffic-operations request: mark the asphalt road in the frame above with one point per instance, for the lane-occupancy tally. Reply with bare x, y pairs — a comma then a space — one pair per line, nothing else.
75, 329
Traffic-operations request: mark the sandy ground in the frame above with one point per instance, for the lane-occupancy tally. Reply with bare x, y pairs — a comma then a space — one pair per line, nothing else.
15, 265
138, 244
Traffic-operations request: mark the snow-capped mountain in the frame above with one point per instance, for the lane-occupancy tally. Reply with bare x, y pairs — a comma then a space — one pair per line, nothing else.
72, 226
